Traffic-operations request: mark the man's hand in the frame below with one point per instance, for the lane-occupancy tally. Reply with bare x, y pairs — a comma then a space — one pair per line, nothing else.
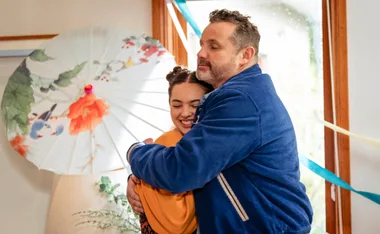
133, 198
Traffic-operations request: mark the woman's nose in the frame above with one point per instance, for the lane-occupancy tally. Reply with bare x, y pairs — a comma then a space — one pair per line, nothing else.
187, 112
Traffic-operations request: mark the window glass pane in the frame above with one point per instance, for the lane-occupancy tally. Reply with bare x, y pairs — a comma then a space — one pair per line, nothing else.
291, 52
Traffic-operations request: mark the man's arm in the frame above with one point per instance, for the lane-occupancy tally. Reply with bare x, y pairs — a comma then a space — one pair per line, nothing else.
228, 133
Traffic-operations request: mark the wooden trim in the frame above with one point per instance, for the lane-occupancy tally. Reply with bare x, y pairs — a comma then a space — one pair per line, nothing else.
180, 51
27, 37
340, 69
163, 29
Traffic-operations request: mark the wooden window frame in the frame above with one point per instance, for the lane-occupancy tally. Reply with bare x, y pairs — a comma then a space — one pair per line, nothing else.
163, 29
338, 24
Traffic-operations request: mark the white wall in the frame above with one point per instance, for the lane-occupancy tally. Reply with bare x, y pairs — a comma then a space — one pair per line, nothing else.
73, 194
23, 17
364, 96
25, 191
34, 17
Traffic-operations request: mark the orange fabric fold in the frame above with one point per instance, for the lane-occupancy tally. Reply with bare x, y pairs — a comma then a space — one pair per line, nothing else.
168, 213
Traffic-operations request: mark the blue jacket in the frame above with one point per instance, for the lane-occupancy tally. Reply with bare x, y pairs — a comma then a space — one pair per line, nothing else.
240, 159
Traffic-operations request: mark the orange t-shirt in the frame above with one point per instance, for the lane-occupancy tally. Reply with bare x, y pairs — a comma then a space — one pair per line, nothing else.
166, 212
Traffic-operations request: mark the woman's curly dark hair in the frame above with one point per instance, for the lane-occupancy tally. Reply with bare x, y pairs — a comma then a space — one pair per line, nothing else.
181, 75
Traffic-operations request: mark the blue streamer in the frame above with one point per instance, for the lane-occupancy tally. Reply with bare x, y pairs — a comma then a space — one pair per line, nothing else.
334, 179
187, 15
311, 165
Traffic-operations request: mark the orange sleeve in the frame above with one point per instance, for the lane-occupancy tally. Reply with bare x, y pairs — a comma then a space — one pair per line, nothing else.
169, 139
166, 212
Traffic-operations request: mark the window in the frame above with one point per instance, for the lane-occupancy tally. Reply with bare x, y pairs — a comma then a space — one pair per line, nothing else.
295, 51
291, 52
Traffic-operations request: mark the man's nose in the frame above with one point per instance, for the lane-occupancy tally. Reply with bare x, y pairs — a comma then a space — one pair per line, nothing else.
202, 53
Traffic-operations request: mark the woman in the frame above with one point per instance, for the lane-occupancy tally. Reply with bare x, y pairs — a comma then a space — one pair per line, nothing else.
166, 212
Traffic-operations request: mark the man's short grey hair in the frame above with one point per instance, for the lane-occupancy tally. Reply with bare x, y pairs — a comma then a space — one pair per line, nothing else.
246, 33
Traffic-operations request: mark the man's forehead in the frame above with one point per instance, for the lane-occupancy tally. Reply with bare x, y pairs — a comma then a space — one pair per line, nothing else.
217, 32
211, 40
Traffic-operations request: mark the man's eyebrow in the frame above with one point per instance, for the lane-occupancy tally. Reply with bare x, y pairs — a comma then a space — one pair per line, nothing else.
213, 41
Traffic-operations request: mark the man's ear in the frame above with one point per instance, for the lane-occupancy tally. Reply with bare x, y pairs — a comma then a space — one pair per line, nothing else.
248, 54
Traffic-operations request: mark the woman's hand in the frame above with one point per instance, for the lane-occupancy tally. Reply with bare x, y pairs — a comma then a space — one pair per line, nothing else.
132, 197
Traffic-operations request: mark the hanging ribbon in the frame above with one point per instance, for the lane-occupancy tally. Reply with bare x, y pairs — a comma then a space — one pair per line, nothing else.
332, 178
372, 141
311, 165
182, 6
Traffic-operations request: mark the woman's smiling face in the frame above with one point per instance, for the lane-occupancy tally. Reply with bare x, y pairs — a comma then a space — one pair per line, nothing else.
185, 97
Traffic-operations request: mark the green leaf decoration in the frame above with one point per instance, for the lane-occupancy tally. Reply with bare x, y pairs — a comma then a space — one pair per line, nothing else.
102, 187
122, 197
150, 40
44, 90
39, 56
115, 187
52, 87
124, 221
105, 180
153, 42
64, 78
17, 98
131, 38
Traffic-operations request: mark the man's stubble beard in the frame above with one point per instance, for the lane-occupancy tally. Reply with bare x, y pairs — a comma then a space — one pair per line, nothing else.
215, 75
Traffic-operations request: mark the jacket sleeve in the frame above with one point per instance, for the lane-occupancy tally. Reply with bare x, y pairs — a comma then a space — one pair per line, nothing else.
228, 132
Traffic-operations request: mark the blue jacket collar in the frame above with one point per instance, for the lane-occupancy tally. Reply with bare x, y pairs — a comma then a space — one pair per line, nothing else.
251, 71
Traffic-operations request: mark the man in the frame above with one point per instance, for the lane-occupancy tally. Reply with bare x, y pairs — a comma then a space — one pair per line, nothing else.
240, 158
